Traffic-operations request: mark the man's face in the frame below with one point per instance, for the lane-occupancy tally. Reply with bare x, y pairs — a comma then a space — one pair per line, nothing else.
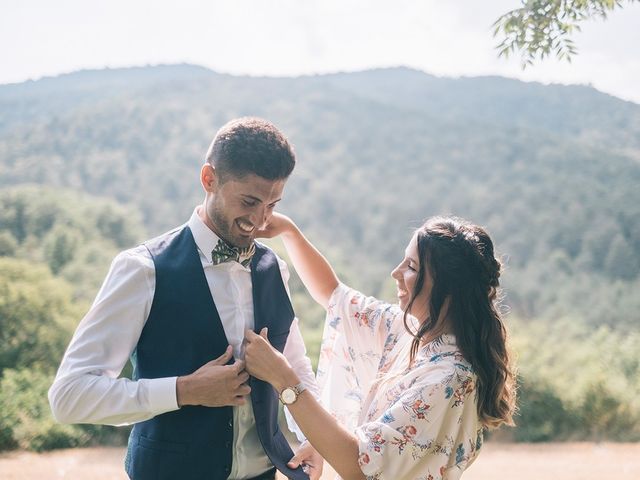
241, 206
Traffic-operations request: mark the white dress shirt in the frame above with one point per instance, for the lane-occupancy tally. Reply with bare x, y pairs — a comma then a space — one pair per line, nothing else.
86, 388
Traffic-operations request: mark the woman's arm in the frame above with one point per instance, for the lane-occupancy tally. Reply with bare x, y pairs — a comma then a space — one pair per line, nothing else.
332, 441
314, 270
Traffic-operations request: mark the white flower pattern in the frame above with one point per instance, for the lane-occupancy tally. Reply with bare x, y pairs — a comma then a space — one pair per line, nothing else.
417, 423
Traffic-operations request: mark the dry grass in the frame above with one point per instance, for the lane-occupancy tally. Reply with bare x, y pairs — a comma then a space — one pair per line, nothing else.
566, 461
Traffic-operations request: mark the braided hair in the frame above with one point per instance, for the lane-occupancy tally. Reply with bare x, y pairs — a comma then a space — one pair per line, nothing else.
460, 259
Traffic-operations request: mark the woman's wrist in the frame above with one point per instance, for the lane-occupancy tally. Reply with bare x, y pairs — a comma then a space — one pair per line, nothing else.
287, 378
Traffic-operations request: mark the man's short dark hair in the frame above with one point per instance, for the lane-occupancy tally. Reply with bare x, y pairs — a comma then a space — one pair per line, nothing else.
251, 145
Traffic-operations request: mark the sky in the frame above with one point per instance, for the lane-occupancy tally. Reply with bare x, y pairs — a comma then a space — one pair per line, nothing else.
298, 37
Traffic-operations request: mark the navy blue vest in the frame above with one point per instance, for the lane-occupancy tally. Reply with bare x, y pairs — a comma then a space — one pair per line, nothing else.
182, 333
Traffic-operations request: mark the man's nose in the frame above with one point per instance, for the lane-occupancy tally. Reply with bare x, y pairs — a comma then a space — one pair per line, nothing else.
259, 216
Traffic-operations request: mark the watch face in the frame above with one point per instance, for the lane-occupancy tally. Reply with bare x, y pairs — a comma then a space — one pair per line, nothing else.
288, 396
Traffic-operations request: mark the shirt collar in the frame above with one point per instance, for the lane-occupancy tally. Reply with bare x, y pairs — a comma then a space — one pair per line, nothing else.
442, 344
204, 237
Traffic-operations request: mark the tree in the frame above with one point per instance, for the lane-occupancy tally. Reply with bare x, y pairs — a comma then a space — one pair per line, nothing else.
541, 28
37, 316
75, 234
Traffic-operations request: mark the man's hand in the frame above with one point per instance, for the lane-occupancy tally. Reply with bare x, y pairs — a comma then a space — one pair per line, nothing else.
215, 384
310, 459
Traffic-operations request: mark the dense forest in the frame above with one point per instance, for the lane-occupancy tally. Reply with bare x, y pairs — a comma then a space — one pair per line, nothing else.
96, 161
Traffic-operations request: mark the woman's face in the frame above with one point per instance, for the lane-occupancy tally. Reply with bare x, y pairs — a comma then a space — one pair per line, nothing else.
406, 276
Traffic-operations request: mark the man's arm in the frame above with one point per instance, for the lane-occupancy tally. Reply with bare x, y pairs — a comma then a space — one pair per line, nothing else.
86, 388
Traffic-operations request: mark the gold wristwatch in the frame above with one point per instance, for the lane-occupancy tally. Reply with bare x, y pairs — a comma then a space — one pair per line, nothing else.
290, 394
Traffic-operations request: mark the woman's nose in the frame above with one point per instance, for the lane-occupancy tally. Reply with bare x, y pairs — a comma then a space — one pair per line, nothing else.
395, 272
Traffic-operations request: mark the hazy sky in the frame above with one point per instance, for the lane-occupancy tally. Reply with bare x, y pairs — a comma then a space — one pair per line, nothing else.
291, 37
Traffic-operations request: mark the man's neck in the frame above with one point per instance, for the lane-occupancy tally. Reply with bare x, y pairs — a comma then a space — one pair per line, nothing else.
202, 214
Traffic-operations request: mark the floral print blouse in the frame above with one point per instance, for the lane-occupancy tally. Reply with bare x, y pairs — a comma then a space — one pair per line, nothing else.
411, 423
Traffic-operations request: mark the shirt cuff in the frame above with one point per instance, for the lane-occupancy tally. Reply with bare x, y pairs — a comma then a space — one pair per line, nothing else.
162, 394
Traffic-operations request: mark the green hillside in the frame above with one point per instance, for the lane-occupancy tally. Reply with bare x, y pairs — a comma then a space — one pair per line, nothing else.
552, 171
95, 161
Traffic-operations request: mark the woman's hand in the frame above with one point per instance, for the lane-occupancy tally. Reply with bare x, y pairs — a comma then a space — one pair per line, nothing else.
338, 446
311, 461
278, 224
312, 268
264, 362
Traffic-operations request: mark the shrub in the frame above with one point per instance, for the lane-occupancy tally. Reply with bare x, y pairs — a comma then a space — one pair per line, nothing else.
542, 415
25, 418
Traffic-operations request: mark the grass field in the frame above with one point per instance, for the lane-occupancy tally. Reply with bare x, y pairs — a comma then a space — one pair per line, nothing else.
566, 461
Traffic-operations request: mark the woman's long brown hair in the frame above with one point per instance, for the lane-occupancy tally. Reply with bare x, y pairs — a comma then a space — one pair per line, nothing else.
460, 259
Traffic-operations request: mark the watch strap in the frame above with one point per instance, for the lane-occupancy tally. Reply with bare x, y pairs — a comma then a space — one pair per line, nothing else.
297, 389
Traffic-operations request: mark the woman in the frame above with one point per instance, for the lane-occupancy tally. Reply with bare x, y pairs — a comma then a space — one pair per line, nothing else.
417, 382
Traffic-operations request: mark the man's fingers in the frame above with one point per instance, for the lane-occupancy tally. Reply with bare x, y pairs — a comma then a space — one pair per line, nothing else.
243, 377
239, 365
224, 358
243, 390
251, 336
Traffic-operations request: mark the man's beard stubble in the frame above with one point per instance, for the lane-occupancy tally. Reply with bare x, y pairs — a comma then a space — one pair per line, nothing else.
222, 227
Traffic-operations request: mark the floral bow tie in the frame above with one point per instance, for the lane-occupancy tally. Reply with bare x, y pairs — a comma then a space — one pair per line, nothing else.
223, 252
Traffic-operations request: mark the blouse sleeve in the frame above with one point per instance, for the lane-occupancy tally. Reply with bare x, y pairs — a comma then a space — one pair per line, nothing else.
364, 321
430, 428
355, 333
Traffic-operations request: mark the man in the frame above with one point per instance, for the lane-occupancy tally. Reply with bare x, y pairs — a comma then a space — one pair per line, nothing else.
178, 305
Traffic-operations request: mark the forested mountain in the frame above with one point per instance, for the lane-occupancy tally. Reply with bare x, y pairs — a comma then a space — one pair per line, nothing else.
74, 234
552, 171
97, 161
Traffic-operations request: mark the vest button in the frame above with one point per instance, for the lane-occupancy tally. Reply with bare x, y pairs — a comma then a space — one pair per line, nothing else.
227, 444
231, 423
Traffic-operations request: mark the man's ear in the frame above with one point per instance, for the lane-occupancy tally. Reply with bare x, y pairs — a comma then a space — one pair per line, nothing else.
209, 178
